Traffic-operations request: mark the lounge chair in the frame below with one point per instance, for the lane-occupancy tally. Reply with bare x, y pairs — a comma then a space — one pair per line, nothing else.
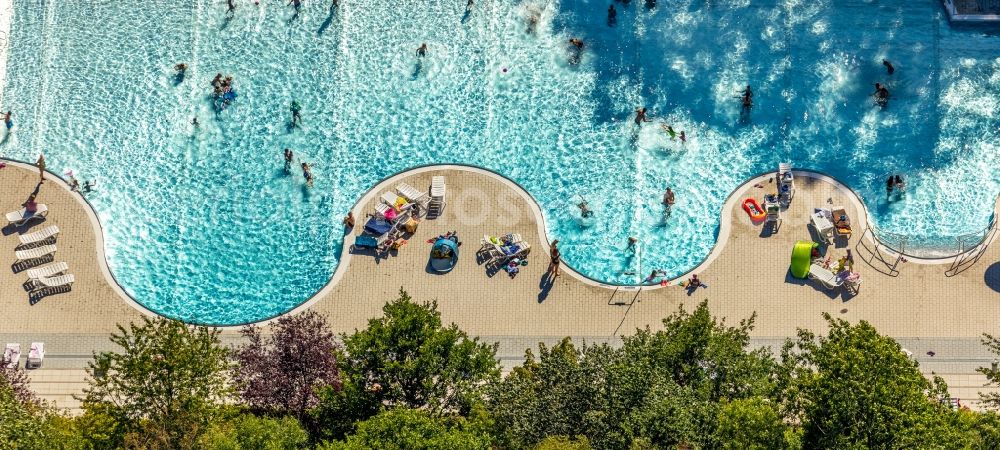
39, 236
823, 226
47, 271
773, 214
52, 282
438, 190
35, 356
11, 355
411, 194
395, 201
824, 276
366, 241
22, 216
377, 227
491, 246
841, 223
34, 253
786, 183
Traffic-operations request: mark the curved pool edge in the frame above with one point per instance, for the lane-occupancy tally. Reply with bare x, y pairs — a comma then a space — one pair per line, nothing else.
95, 222
343, 264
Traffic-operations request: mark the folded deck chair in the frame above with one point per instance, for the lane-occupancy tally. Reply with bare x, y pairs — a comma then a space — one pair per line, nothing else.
435, 207
47, 271
438, 187
35, 356
52, 282
11, 355
22, 216
34, 253
39, 236
824, 277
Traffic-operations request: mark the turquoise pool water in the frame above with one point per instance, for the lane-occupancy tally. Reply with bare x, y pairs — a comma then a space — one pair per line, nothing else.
205, 226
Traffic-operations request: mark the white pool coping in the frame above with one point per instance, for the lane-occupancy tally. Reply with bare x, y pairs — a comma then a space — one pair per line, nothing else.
725, 229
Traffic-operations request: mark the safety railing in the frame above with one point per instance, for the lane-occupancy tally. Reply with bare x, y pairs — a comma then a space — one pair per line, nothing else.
972, 247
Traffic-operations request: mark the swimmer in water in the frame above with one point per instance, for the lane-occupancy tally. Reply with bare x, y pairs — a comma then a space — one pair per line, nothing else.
656, 274
668, 197
612, 16
890, 184
900, 184
232, 7
747, 98
422, 50
534, 16
297, 4
288, 159
349, 220
888, 66
632, 241
307, 173
194, 122
640, 116
7, 121
683, 138
577, 50
296, 116
881, 94
585, 211
670, 130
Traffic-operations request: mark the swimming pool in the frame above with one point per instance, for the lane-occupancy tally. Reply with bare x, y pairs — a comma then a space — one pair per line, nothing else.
204, 225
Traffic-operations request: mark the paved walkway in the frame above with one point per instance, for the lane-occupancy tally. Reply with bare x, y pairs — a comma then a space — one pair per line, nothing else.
924, 309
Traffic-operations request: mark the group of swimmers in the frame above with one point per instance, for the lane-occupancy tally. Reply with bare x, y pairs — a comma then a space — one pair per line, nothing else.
223, 92
641, 115
894, 183
881, 93
306, 168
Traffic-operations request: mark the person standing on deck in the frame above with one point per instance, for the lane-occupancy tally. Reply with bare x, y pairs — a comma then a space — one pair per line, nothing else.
41, 168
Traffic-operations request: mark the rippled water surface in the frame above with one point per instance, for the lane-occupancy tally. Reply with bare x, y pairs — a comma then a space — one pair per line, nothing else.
203, 224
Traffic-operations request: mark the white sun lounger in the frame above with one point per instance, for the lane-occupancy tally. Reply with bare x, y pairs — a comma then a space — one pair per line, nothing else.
824, 276
410, 193
39, 236
438, 190
34, 253
11, 355
35, 356
22, 216
47, 271
52, 282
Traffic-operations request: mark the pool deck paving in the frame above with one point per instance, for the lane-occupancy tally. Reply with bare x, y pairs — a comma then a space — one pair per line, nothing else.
746, 273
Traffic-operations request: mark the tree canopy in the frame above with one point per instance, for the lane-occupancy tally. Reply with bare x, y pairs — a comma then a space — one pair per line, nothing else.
165, 384
282, 373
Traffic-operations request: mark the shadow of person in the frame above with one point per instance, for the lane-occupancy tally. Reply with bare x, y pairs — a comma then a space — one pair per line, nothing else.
326, 23
545, 286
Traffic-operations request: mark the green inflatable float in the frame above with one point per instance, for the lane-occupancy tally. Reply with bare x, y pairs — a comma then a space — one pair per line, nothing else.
802, 258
